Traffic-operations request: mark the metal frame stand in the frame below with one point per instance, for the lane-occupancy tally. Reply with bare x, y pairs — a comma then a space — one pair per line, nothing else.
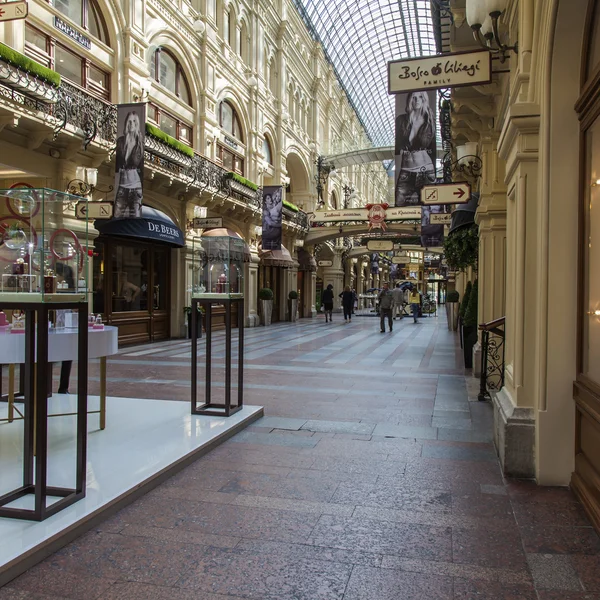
208, 407
35, 435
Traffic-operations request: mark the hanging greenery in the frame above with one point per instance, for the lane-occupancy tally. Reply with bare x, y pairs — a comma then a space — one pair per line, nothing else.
465, 301
470, 318
461, 248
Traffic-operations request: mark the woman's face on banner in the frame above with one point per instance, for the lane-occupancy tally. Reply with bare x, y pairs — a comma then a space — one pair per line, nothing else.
418, 101
269, 201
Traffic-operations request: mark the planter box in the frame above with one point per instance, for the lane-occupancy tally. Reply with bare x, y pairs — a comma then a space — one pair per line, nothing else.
30, 85
266, 311
452, 315
292, 310
198, 326
469, 340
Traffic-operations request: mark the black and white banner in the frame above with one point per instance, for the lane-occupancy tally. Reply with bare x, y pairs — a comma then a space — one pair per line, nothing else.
415, 156
129, 161
271, 217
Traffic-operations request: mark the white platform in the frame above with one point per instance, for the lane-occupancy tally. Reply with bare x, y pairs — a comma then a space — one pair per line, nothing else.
142, 439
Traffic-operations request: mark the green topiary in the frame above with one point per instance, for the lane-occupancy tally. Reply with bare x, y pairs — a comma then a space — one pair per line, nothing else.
293, 295
291, 206
465, 300
470, 318
265, 294
242, 180
168, 140
452, 296
461, 248
30, 66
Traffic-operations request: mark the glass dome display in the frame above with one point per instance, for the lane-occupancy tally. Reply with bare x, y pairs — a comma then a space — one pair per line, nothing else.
218, 267
43, 247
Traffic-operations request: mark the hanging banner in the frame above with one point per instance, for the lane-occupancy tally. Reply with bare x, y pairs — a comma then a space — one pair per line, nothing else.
374, 263
402, 213
129, 160
432, 234
437, 72
271, 217
415, 155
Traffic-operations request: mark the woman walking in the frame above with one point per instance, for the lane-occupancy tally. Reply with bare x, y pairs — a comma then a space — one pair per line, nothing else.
347, 297
327, 299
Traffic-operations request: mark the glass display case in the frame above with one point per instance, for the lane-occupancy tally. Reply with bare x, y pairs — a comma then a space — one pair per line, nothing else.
43, 247
218, 267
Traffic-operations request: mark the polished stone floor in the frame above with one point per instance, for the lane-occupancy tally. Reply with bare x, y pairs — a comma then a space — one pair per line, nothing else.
371, 477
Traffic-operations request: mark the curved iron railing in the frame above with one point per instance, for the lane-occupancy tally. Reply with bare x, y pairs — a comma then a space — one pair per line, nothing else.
492, 357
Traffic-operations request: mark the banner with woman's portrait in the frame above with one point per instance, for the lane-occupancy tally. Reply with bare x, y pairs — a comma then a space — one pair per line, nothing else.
271, 217
129, 160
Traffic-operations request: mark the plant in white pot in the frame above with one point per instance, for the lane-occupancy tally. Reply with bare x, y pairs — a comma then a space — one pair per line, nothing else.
292, 305
452, 303
265, 295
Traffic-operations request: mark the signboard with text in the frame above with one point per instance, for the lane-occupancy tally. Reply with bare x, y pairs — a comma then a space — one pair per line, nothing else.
435, 72
207, 222
380, 245
325, 263
399, 213
11, 11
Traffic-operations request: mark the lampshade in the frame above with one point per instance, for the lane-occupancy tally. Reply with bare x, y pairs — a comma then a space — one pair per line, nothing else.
465, 151
252, 81
92, 176
199, 26
476, 12
80, 173
496, 5
487, 27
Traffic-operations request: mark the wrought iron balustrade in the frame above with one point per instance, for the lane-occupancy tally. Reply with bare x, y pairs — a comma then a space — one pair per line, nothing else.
492, 357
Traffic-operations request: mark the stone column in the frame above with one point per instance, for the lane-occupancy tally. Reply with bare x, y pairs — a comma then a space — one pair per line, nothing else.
360, 281
251, 291
335, 276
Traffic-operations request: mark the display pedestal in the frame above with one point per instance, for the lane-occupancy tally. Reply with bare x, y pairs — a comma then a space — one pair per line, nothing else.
35, 438
208, 407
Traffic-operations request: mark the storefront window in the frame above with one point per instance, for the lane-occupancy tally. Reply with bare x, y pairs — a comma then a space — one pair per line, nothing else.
68, 65
591, 325
129, 278
170, 124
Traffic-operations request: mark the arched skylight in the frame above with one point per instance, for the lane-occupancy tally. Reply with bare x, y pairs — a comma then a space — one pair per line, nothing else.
360, 37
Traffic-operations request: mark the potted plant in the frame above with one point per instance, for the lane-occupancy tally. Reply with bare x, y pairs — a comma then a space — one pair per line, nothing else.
292, 305
470, 326
188, 311
463, 309
452, 298
265, 295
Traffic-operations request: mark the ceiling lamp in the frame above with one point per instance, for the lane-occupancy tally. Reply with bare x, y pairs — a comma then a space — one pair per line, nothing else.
482, 17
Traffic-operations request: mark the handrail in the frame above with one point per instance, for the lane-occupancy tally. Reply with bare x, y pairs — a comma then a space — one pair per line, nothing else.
492, 324
492, 357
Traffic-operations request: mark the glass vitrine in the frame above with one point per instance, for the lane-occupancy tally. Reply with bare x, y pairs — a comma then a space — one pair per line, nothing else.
218, 267
43, 245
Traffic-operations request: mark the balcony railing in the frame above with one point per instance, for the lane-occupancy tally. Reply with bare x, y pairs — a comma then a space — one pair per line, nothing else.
492, 357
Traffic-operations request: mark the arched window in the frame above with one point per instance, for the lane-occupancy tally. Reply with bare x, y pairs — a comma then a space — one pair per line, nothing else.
84, 13
227, 33
166, 70
229, 120
266, 150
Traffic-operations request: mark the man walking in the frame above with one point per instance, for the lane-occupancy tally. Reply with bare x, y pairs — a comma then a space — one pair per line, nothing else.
415, 302
386, 306
398, 294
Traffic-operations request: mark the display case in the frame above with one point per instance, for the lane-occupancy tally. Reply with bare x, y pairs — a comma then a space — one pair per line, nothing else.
218, 267
43, 247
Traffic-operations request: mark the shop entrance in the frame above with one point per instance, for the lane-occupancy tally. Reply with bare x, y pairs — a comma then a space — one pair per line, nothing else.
131, 288
269, 276
300, 289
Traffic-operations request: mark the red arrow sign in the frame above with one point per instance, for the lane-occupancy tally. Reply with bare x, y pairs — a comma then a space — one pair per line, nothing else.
459, 192
1, 12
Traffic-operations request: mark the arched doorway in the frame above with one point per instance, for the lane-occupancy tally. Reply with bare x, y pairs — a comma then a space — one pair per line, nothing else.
298, 190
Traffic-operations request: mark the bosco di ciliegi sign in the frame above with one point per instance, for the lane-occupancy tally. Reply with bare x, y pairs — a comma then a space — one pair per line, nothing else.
440, 71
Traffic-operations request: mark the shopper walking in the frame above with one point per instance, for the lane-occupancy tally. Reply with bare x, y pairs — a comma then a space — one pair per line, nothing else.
347, 297
398, 294
415, 302
327, 299
386, 307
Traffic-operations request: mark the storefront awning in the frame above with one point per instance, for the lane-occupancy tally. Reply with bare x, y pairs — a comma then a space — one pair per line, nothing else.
464, 214
224, 232
153, 225
277, 258
307, 260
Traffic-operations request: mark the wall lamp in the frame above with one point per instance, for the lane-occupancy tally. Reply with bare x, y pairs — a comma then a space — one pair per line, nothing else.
482, 17
85, 182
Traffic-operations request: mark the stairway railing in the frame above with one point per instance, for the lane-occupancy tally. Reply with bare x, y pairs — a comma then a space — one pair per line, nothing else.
492, 357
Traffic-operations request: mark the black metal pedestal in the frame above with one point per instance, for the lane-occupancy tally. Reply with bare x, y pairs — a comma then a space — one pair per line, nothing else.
209, 407
35, 435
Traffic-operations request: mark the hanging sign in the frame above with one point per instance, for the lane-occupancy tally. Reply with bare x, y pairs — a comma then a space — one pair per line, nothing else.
207, 222
93, 210
435, 72
380, 245
11, 11
399, 260
325, 263
446, 193
440, 219
404, 213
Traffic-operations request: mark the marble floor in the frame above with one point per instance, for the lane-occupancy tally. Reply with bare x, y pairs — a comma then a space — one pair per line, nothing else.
372, 476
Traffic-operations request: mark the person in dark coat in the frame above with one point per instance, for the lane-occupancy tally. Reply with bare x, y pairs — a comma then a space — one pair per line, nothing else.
327, 299
347, 297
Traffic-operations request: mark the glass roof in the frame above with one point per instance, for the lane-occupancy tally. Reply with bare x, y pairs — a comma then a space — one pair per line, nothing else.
359, 38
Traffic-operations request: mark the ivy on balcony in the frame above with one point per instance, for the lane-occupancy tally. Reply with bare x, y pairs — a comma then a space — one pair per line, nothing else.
242, 180
291, 206
170, 141
22, 62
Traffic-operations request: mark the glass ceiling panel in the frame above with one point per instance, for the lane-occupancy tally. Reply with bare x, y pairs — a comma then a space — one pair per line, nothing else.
359, 38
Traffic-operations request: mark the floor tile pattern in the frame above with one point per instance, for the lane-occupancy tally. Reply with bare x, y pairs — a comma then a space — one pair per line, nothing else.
372, 476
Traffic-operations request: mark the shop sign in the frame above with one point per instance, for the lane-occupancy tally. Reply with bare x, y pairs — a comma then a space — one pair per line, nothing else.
207, 223
10, 11
404, 213
435, 72
325, 263
399, 260
413, 266
440, 219
446, 193
230, 142
72, 33
329, 216
380, 245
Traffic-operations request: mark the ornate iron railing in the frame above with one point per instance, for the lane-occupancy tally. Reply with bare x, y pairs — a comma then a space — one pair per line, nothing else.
492, 357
